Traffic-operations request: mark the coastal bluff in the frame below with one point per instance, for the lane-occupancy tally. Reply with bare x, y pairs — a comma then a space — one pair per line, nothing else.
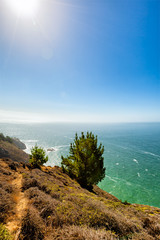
47, 204
12, 148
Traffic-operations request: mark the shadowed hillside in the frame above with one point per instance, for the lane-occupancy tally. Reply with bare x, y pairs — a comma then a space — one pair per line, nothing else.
11, 148
46, 204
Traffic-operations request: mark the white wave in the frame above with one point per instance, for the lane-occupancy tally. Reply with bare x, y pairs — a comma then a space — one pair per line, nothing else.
138, 174
117, 163
135, 160
60, 146
146, 170
110, 178
119, 146
150, 153
30, 141
123, 180
57, 148
128, 183
125, 148
29, 144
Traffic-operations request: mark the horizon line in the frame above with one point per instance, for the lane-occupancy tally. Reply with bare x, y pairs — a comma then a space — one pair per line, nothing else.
76, 122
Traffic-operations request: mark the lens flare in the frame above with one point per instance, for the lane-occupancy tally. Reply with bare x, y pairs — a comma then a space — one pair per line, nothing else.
23, 8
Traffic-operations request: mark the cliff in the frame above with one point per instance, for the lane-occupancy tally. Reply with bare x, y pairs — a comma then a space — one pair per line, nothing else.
18, 143
12, 148
47, 204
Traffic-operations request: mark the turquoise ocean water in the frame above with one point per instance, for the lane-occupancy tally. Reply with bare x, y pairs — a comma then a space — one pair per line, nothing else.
131, 157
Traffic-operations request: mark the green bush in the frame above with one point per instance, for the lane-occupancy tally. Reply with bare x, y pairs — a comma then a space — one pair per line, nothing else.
6, 139
85, 162
4, 233
37, 157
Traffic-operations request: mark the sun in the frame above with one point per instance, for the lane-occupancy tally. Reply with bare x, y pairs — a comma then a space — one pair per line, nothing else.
23, 8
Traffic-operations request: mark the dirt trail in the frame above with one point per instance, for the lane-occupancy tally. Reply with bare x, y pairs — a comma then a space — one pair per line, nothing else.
14, 222
3, 164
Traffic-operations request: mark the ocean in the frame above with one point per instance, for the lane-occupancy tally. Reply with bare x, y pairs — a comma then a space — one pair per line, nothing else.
131, 157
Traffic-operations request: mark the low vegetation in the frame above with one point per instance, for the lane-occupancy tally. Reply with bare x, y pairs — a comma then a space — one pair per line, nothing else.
39, 202
38, 157
6, 139
58, 208
4, 233
14, 140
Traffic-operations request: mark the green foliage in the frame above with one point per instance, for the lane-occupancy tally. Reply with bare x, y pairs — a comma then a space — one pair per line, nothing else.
126, 203
2, 137
6, 139
37, 157
4, 234
85, 162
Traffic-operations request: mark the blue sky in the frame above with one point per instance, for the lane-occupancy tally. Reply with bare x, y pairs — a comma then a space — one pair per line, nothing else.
82, 61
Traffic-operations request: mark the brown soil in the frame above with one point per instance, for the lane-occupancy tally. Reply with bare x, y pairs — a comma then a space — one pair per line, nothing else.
14, 221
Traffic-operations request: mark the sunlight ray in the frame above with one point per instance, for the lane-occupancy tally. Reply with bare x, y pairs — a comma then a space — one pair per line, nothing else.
11, 44
23, 8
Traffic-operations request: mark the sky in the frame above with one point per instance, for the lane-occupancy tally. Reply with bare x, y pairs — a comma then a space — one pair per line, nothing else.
80, 61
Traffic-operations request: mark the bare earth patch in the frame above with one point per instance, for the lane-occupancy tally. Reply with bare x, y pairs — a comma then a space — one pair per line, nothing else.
14, 222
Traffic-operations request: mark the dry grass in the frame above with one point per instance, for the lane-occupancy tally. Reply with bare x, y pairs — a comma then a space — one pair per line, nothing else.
62, 202
58, 208
32, 226
80, 233
6, 189
6, 205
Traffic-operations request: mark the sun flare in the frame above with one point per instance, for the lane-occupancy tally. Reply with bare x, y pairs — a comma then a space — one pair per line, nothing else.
24, 8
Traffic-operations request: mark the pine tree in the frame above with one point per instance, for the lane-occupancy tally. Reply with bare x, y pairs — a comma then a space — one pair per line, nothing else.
85, 162
37, 157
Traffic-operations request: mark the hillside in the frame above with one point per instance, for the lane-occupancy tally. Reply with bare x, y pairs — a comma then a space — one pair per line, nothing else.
12, 148
46, 204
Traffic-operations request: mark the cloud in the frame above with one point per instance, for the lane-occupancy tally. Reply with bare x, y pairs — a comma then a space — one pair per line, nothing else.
20, 116
10, 116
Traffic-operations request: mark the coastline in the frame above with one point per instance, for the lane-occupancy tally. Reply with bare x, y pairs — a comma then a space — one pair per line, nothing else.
123, 144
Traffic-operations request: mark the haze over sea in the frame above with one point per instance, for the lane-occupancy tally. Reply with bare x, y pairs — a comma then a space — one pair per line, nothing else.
131, 157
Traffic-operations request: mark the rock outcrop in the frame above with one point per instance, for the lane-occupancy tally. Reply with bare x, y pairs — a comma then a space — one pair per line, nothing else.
10, 150
19, 144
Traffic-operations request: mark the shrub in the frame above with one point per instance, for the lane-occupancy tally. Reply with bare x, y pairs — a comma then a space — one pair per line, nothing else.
6, 204
37, 157
32, 226
80, 233
7, 138
4, 234
85, 162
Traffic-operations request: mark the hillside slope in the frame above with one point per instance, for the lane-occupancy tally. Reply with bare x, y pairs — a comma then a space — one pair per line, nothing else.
46, 204
11, 148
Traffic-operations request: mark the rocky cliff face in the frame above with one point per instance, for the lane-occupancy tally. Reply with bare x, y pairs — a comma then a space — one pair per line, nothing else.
19, 144
47, 204
10, 150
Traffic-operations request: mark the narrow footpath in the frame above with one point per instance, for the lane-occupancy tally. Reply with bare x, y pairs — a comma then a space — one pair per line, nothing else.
14, 222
